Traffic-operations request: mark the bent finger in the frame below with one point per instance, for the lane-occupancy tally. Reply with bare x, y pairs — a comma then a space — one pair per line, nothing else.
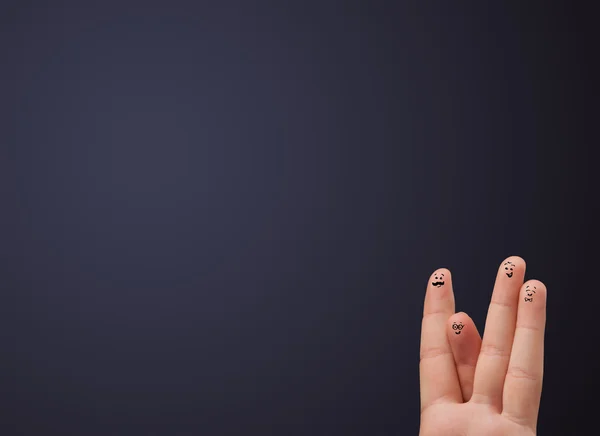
465, 342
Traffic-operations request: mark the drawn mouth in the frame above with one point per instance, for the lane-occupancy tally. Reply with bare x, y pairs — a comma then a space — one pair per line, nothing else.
510, 274
438, 284
457, 333
528, 299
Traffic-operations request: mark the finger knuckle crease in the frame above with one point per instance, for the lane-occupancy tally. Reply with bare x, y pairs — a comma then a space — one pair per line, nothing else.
521, 420
518, 372
493, 350
435, 313
501, 303
434, 401
430, 353
528, 327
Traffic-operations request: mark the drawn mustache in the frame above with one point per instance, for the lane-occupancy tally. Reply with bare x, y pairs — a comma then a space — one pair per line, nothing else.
437, 283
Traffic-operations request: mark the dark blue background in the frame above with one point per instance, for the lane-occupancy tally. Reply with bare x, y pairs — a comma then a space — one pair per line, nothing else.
219, 218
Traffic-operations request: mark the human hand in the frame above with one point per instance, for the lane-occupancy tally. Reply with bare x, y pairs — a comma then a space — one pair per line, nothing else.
471, 387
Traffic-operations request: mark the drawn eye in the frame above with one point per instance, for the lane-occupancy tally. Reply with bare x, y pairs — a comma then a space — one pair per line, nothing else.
460, 327
454, 326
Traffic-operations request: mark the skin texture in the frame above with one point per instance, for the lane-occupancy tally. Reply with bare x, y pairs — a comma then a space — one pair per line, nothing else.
492, 386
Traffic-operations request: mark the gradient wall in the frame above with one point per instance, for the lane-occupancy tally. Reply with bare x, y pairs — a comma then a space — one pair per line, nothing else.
219, 218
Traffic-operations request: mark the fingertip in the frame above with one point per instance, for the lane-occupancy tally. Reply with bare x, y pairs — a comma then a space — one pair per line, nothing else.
441, 279
459, 316
517, 260
537, 283
460, 321
457, 322
534, 289
439, 296
512, 265
439, 271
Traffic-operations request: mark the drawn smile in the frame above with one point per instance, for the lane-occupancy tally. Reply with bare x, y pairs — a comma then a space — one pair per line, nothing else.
457, 327
508, 267
438, 279
529, 292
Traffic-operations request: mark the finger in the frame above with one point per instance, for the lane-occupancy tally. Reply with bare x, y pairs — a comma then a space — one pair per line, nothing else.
523, 385
439, 381
465, 343
499, 333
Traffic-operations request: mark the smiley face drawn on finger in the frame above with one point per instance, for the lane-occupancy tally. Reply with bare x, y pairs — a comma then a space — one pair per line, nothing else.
529, 291
438, 279
508, 268
457, 327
